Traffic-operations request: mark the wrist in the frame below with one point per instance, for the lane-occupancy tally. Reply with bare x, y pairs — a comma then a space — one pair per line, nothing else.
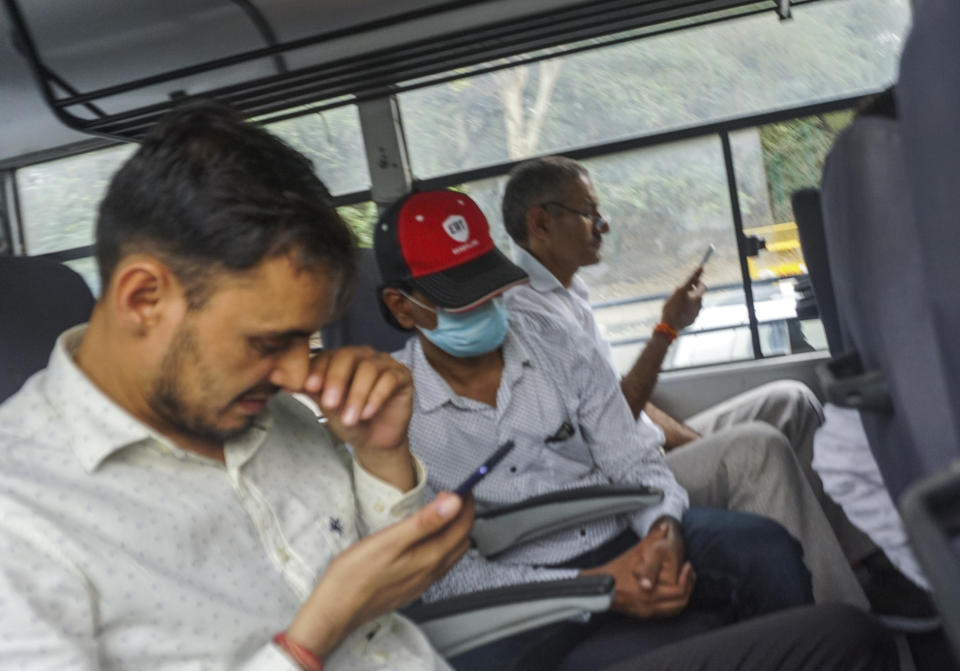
298, 653
666, 330
394, 466
669, 519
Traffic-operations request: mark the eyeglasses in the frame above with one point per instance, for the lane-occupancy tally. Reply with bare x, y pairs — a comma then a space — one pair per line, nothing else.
599, 221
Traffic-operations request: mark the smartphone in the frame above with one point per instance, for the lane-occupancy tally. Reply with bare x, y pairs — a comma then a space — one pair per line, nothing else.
711, 248
464, 488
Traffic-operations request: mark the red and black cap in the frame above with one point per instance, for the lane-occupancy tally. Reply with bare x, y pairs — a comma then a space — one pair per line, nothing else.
438, 242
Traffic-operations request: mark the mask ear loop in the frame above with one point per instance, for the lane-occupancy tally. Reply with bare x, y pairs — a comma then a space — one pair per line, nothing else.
418, 303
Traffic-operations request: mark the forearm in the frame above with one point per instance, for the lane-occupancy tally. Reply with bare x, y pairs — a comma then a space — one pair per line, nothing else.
675, 433
638, 384
323, 622
395, 467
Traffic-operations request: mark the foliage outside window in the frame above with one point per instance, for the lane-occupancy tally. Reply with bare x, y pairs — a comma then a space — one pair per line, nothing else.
333, 141
59, 199
829, 49
359, 217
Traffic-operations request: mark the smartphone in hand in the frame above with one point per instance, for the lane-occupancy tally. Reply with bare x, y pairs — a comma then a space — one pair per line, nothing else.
711, 248
481, 472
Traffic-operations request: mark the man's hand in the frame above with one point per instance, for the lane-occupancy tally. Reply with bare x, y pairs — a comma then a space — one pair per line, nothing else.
683, 306
651, 578
668, 548
367, 398
383, 572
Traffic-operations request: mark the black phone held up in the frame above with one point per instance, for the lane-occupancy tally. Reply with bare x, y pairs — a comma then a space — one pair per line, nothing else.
464, 488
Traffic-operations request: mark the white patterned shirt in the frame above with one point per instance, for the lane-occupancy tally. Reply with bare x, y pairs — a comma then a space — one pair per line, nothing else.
118, 550
561, 405
545, 295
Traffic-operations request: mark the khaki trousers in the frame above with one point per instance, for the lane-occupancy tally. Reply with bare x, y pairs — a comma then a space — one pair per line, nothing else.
755, 456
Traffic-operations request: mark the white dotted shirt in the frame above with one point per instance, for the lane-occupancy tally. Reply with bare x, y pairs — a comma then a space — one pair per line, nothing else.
544, 294
119, 550
561, 405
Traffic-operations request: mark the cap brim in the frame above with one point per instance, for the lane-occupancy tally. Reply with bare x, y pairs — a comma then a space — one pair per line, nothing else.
466, 286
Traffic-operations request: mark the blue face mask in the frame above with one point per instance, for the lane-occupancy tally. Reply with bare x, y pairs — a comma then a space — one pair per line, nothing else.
471, 333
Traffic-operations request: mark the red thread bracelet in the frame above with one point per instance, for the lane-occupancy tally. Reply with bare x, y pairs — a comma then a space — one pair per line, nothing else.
667, 330
298, 653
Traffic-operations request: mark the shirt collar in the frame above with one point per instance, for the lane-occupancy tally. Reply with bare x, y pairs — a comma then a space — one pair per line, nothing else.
97, 426
432, 391
542, 280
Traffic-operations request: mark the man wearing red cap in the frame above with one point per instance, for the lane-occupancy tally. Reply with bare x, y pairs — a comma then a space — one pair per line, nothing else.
479, 382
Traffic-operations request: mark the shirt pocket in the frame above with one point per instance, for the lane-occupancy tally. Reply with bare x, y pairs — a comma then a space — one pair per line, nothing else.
565, 455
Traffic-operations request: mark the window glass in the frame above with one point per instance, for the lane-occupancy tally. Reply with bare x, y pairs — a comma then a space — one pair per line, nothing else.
59, 199
360, 218
772, 162
829, 49
87, 267
332, 140
665, 204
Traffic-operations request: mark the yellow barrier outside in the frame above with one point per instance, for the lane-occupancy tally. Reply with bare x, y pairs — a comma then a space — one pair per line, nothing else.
782, 256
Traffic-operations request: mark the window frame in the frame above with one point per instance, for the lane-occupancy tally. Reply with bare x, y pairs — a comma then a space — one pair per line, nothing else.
720, 129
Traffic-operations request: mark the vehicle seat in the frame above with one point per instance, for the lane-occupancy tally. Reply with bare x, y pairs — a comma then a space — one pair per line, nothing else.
882, 298
363, 323
39, 300
809, 219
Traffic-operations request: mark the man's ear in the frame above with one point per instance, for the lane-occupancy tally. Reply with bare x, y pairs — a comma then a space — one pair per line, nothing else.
399, 307
144, 294
538, 222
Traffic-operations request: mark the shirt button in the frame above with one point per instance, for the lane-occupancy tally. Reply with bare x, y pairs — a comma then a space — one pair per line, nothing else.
583, 532
379, 507
283, 555
513, 469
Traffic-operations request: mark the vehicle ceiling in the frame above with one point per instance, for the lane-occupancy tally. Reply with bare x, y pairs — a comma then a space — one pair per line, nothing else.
92, 44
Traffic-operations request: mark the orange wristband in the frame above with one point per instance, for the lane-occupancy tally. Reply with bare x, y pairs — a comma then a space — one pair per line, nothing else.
667, 330
298, 653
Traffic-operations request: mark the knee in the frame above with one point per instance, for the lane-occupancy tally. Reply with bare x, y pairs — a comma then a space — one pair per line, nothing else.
757, 449
771, 543
776, 562
797, 397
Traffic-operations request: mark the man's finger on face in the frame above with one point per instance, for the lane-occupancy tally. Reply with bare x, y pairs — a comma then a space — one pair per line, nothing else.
338, 376
318, 372
366, 376
390, 382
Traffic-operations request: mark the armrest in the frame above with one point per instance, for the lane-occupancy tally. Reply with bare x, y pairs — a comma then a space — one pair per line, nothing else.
462, 623
497, 530
845, 383
931, 515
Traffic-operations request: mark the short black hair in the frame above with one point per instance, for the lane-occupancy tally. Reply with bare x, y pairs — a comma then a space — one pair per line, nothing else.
534, 182
208, 193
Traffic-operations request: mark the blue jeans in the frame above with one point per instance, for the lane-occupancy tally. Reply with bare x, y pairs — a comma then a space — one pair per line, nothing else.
746, 565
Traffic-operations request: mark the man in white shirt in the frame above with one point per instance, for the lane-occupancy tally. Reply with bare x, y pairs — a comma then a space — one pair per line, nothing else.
728, 455
163, 502
481, 382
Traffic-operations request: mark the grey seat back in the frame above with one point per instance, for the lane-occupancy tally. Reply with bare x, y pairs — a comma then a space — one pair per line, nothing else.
877, 268
39, 299
809, 219
928, 99
363, 323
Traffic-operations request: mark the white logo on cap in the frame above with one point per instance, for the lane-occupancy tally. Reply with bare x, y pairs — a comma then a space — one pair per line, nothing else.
456, 227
